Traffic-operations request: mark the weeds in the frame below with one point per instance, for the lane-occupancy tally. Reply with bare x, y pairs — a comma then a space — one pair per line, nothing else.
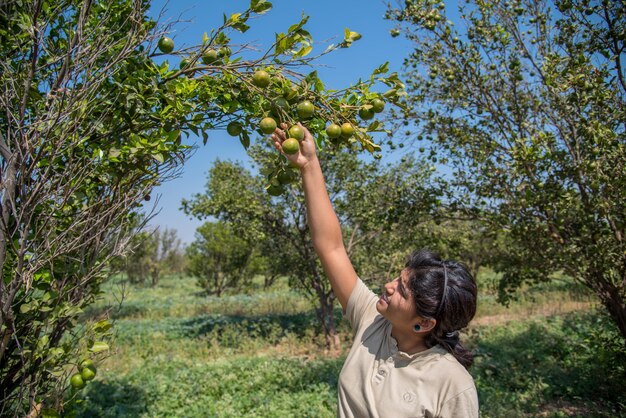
180, 353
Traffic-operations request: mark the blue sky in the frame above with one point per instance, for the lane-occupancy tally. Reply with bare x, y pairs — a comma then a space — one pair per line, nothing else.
327, 21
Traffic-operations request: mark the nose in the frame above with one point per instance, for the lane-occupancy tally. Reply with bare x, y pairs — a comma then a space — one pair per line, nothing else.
390, 287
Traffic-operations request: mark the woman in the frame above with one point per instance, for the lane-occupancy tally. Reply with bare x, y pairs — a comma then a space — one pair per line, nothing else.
406, 359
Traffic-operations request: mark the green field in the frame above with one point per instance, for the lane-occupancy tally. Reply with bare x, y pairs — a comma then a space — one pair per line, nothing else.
180, 353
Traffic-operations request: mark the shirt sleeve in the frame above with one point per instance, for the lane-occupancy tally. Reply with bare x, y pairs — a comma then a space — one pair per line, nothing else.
361, 307
463, 405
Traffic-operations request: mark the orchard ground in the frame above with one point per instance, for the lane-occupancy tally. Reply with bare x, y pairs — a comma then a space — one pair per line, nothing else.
181, 353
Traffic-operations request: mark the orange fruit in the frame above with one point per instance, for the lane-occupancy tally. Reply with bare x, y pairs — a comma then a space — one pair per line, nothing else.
274, 190
305, 109
166, 45
209, 56
333, 130
366, 114
87, 363
268, 125
291, 146
378, 105
296, 132
347, 130
88, 374
286, 176
261, 78
77, 381
234, 128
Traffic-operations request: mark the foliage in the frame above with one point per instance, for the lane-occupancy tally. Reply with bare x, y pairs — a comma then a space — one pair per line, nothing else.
576, 361
152, 254
524, 100
221, 259
93, 117
180, 353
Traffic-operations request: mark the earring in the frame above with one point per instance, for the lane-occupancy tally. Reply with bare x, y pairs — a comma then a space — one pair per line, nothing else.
417, 327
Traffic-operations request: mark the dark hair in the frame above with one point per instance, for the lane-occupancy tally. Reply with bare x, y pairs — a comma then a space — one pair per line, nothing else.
451, 304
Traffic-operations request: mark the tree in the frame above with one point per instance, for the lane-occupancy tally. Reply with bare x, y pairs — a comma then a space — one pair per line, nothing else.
152, 254
368, 203
92, 118
221, 258
139, 261
527, 107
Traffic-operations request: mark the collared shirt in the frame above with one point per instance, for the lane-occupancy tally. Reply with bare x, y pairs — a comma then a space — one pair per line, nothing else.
378, 380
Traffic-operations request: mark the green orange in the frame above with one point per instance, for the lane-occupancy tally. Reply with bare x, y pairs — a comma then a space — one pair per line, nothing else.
286, 176
291, 146
87, 364
365, 113
274, 190
77, 381
88, 374
209, 56
268, 125
378, 105
166, 45
261, 78
347, 130
305, 109
333, 130
234, 128
296, 132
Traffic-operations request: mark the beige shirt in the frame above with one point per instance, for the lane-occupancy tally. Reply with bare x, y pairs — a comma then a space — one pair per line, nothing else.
378, 380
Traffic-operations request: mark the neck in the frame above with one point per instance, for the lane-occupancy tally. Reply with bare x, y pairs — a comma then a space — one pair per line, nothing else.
408, 340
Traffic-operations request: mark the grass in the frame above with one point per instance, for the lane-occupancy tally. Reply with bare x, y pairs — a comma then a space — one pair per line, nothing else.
180, 353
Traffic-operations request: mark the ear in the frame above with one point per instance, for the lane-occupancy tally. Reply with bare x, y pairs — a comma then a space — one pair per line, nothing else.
424, 325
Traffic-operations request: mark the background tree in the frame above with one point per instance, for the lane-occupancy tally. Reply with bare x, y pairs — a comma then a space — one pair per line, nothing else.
221, 258
139, 260
364, 198
152, 254
89, 124
525, 102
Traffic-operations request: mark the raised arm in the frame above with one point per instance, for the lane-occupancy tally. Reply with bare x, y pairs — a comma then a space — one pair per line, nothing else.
322, 219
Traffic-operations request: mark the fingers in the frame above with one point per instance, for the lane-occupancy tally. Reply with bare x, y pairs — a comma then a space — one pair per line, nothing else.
307, 134
279, 136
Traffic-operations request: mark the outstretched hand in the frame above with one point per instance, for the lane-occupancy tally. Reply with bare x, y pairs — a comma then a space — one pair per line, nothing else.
307, 146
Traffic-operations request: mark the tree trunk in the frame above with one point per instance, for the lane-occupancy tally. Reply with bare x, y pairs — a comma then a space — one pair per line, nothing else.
613, 299
326, 317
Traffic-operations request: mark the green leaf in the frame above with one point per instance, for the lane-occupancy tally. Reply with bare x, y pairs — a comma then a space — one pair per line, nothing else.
173, 135
381, 69
27, 307
241, 27
260, 6
245, 139
159, 157
102, 326
304, 51
205, 38
99, 346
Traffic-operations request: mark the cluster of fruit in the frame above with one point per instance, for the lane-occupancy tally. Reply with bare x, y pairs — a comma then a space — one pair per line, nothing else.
86, 372
285, 102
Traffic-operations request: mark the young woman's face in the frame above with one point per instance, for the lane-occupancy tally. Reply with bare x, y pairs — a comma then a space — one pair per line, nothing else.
396, 302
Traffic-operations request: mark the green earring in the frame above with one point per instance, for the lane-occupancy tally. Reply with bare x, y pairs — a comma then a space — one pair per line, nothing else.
417, 327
